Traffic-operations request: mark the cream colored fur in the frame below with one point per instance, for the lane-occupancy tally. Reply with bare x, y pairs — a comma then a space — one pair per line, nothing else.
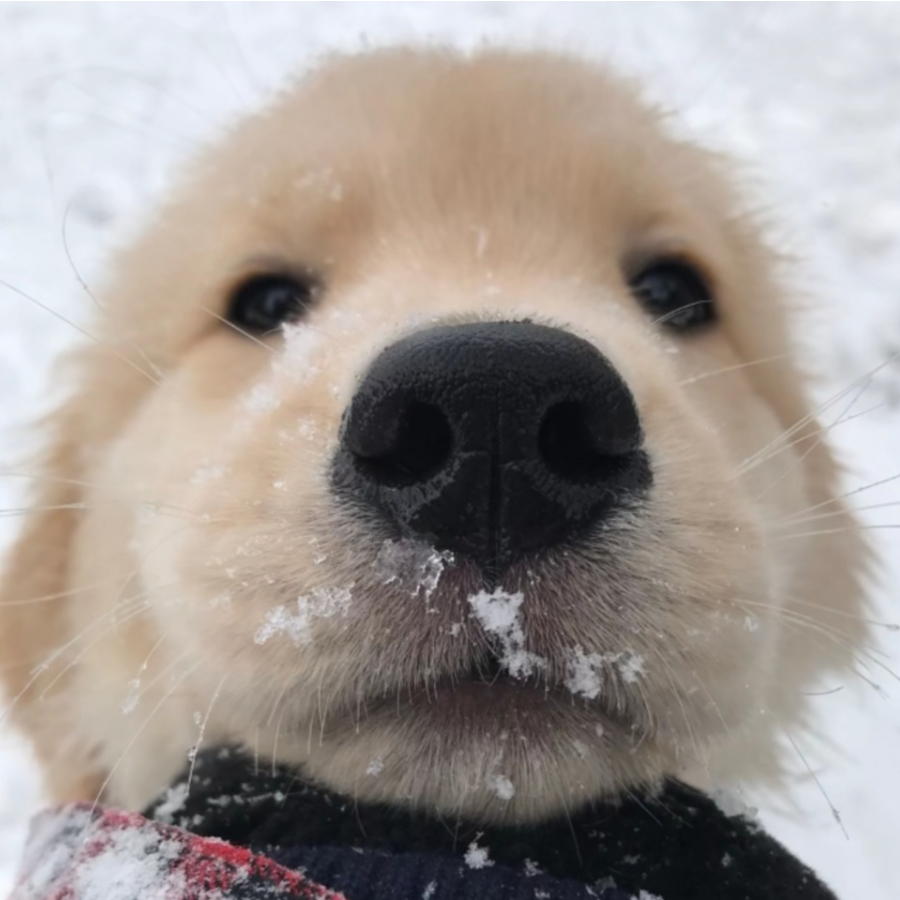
184, 491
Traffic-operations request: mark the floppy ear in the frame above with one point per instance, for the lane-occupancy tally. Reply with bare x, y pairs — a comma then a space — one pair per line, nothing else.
132, 342
38, 643
34, 598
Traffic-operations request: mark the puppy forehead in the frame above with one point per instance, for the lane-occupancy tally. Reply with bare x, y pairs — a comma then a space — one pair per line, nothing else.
410, 141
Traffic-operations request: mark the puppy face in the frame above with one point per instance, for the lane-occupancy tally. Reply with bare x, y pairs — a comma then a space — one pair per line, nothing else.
444, 438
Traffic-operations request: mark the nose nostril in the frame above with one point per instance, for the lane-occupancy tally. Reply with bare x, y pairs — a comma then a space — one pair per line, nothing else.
492, 440
569, 449
422, 445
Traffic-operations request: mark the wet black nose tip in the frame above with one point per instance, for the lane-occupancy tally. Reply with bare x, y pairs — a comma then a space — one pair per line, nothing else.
493, 440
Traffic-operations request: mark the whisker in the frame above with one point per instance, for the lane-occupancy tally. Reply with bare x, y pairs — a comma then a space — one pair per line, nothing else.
277, 702
834, 811
42, 667
282, 710
678, 689
639, 803
164, 699
115, 609
78, 328
814, 633
250, 76
733, 368
56, 479
121, 614
144, 689
856, 527
677, 312
159, 508
168, 137
828, 631
773, 445
796, 601
121, 74
799, 518
565, 807
274, 351
242, 332
146, 556
202, 725
824, 431
87, 290
58, 595
854, 492
24, 510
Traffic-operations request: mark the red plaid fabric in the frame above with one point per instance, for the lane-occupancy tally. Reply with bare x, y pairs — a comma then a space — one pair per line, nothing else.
83, 852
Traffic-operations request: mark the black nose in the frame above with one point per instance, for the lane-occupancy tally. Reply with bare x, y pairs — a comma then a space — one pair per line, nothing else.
493, 440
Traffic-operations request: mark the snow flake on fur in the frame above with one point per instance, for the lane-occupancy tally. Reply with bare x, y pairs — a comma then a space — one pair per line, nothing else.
82, 852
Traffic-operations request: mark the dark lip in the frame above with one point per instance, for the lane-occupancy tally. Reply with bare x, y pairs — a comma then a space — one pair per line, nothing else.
468, 704
492, 691
474, 698
500, 680
460, 708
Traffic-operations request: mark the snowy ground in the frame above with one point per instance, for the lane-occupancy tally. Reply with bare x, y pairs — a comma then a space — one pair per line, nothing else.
98, 102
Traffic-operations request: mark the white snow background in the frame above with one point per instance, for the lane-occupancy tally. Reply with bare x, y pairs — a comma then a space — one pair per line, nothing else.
100, 103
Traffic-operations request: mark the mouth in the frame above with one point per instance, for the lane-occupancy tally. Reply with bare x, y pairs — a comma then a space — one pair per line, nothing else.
491, 687
488, 699
480, 651
520, 727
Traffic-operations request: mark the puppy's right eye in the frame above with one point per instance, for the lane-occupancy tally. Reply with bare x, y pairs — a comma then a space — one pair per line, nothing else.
264, 303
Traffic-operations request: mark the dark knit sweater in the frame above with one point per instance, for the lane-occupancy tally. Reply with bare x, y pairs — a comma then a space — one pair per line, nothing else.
674, 845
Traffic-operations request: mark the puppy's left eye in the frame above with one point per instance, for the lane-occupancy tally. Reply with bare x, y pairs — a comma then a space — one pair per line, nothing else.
264, 303
675, 294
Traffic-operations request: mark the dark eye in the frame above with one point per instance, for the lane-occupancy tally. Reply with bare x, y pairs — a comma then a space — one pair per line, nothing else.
264, 303
675, 294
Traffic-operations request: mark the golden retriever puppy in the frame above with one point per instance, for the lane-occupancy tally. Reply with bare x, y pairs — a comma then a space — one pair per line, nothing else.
442, 435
